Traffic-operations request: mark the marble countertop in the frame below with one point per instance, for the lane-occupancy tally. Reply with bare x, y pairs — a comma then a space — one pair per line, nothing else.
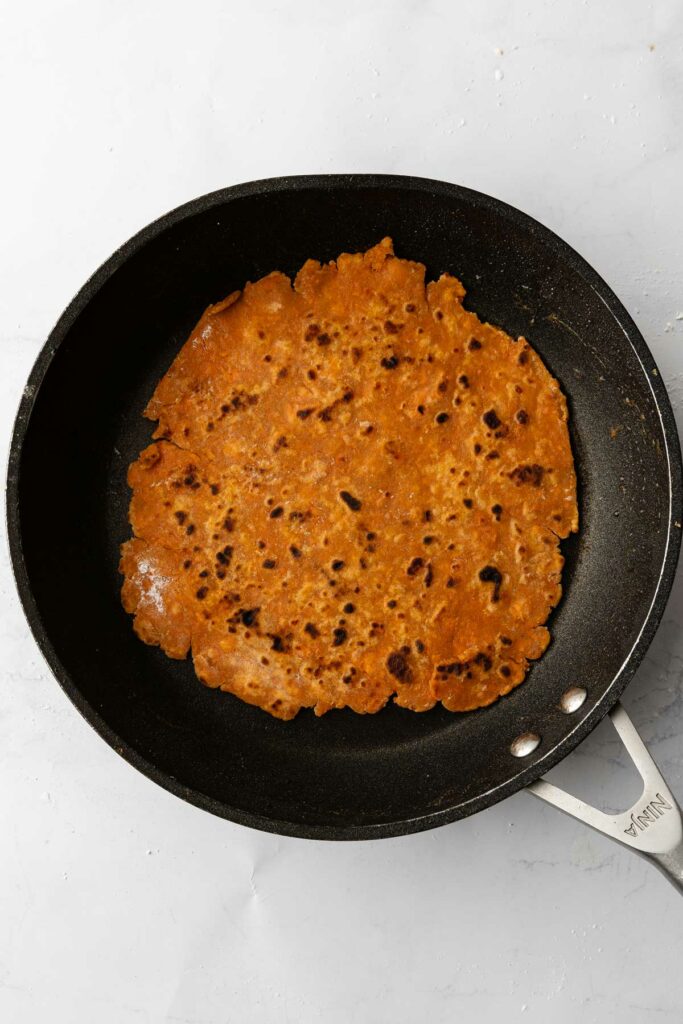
118, 902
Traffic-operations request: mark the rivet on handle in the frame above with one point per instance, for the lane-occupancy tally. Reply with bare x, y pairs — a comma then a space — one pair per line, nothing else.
572, 699
524, 744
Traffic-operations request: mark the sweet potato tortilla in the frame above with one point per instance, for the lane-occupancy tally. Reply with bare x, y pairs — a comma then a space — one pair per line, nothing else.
356, 492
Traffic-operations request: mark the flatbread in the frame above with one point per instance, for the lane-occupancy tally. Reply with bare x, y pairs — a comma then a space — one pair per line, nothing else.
356, 491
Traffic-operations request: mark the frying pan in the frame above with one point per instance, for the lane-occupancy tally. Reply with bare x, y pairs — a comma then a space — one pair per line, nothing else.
347, 776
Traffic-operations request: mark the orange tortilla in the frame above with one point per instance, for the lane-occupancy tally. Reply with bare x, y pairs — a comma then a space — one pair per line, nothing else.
356, 491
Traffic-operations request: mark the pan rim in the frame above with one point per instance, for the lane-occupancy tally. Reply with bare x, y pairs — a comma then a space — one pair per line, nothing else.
549, 757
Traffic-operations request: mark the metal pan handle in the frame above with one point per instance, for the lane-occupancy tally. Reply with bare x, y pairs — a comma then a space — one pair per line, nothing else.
653, 827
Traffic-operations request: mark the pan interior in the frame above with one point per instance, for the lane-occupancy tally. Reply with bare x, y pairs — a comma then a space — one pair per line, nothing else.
343, 773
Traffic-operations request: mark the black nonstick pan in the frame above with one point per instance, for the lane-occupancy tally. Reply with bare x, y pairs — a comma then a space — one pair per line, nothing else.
346, 776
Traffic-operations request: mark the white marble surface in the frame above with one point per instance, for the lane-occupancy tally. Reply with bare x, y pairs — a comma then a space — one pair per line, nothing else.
122, 905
